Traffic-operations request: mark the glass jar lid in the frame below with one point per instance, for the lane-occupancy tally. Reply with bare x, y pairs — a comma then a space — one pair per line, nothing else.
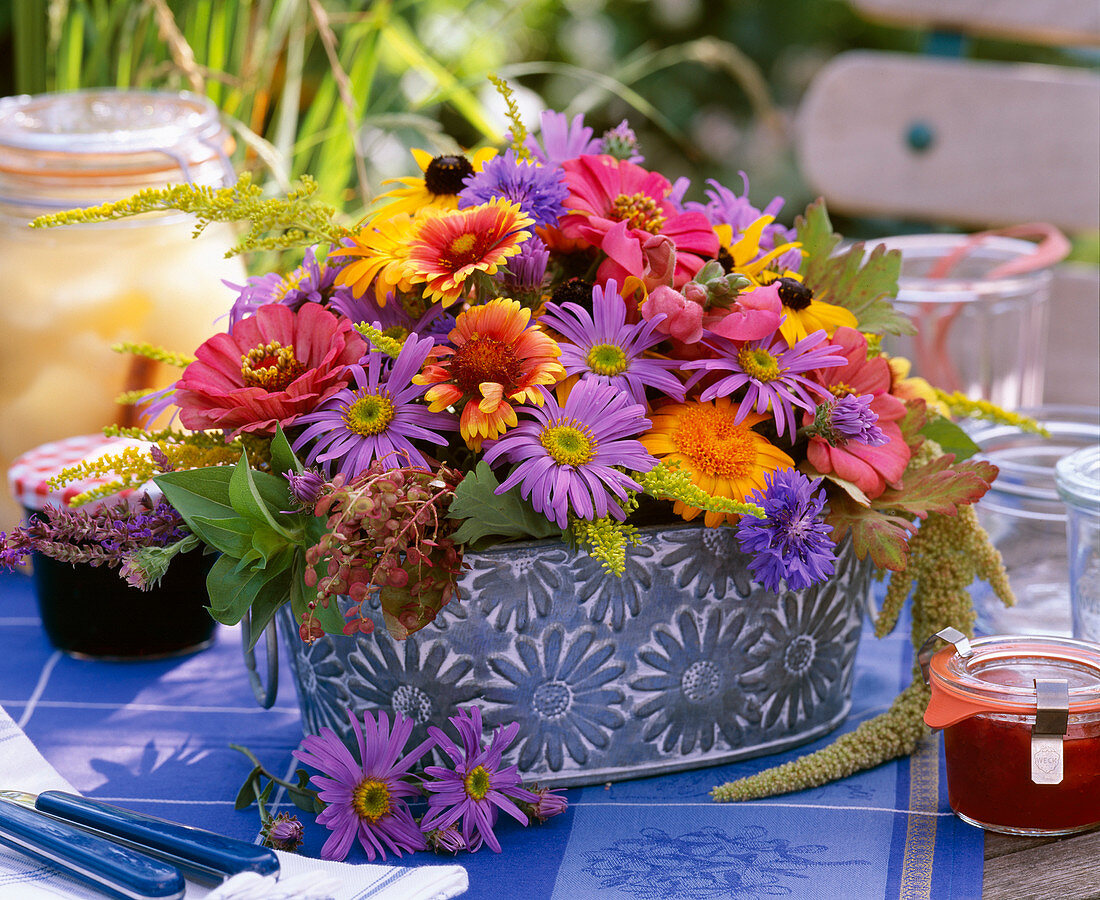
79, 148
1078, 478
999, 677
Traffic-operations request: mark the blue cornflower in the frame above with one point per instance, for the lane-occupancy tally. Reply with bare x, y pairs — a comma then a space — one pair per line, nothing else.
539, 190
792, 543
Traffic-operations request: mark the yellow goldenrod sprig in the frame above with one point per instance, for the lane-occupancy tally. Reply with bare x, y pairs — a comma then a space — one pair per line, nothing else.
133, 398
379, 340
962, 406
519, 132
276, 223
157, 354
131, 467
665, 483
172, 436
605, 539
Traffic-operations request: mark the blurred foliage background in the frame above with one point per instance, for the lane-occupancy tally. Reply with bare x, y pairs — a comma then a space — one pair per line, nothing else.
342, 88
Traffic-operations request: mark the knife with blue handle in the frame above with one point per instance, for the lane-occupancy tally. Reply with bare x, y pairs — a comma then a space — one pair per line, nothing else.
201, 855
113, 869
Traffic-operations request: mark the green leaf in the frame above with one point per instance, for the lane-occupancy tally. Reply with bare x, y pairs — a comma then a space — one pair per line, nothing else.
272, 594
259, 497
199, 492
282, 456
865, 287
234, 591
302, 797
229, 535
246, 796
494, 515
950, 437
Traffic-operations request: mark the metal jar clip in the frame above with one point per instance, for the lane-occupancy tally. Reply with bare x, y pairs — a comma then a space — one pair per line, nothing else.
1051, 724
928, 649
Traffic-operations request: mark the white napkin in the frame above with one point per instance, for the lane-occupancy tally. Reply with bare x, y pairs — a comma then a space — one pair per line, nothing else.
23, 768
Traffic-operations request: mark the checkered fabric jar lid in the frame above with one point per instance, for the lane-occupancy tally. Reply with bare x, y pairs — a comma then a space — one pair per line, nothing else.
29, 474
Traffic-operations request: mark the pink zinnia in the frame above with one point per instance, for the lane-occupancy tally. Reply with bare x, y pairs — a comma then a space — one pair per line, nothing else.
269, 369
617, 206
869, 467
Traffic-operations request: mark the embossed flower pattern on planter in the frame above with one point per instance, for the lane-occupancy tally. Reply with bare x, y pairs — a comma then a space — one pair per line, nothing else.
696, 690
684, 663
804, 642
614, 600
709, 560
707, 864
425, 683
521, 584
321, 677
559, 689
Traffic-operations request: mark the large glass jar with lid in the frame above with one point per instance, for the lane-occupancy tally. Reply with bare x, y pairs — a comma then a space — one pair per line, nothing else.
67, 294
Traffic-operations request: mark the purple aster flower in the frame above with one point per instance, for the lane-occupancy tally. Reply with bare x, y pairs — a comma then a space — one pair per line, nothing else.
526, 270
311, 282
561, 139
306, 489
603, 347
365, 797
479, 786
769, 370
550, 803
450, 840
568, 457
848, 418
394, 319
622, 143
724, 207
539, 190
377, 420
284, 832
792, 543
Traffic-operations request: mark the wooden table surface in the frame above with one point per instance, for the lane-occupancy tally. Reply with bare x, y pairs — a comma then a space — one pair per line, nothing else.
1022, 868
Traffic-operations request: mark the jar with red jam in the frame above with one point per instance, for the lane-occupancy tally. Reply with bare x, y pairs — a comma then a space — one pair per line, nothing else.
1021, 725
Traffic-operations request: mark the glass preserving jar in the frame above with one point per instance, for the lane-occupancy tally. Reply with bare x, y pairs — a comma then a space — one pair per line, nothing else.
977, 331
1026, 519
1021, 725
1078, 477
69, 293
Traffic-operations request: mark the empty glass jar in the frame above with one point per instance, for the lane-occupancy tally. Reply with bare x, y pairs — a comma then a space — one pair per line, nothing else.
1026, 520
1078, 477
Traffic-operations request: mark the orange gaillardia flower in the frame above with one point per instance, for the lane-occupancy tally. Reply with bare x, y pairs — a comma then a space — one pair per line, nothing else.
500, 357
725, 458
446, 250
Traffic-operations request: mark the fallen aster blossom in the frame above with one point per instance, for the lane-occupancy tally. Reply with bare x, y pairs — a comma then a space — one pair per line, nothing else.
479, 786
283, 832
550, 803
792, 543
365, 798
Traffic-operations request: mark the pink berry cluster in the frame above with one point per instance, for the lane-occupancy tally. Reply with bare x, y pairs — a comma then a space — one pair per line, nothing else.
386, 532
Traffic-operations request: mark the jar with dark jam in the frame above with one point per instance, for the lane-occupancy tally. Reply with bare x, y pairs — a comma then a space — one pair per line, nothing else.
1008, 768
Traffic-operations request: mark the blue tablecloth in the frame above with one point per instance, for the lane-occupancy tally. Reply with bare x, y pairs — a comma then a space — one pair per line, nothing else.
154, 736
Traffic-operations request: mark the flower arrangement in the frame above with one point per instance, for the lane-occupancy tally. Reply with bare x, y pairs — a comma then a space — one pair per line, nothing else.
553, 341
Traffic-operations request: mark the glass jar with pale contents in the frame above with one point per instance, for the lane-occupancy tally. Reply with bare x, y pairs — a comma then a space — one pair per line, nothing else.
1021, 726
69, 293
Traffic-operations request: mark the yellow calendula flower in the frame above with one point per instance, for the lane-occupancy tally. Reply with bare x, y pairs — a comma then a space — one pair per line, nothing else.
378, 253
